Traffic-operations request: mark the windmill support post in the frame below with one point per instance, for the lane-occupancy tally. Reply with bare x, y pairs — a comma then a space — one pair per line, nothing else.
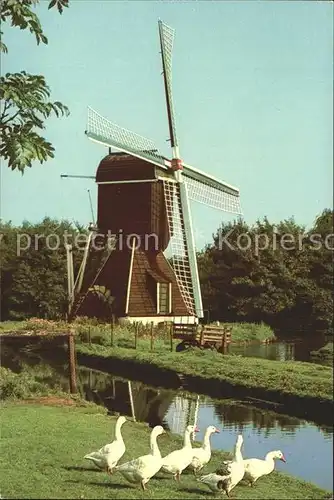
72, 363
130, 275
70, 277
83, 264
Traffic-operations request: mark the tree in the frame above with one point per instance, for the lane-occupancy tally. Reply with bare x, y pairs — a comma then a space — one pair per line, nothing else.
33, 267
24, 98
286, 283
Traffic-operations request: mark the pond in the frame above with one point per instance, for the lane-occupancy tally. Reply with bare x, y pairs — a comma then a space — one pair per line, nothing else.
308, 447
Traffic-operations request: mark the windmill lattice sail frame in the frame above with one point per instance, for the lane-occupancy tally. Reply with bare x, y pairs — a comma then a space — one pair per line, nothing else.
180, 255
202, 188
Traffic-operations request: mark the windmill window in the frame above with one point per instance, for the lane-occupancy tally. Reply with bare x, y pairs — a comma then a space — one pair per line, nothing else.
164, 299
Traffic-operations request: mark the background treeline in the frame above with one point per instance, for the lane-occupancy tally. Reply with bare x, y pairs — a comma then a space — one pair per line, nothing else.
34, 281
287, 287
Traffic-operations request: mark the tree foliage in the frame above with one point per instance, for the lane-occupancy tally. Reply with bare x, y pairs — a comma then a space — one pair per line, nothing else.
287, 285
33, 268
288, 289
25, 103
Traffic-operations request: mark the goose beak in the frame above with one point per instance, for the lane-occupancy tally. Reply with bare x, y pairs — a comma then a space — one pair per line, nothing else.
217, 430
196, 429
283, 459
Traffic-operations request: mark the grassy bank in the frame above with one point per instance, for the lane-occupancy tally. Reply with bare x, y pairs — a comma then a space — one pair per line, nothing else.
124, 335
42, 457
285, 377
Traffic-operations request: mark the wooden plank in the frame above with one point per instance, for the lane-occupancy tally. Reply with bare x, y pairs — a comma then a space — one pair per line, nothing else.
183, 336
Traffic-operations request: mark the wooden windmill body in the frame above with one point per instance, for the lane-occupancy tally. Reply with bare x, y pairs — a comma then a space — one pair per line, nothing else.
143, 208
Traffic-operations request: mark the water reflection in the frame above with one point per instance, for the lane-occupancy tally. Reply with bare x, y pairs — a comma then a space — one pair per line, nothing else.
298, 349
307, 446
149, 405
262, 421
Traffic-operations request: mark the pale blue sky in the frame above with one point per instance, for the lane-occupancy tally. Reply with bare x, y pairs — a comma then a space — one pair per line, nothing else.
253, 96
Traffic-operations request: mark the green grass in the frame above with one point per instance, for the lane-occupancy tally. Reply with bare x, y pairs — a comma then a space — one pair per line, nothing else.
33, 326
288, 377
100, 333
42, 449
251, 332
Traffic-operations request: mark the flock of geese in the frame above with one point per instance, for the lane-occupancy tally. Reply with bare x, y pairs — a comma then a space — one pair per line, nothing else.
142, 469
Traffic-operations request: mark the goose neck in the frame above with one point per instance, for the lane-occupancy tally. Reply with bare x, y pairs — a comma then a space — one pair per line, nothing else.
154, 446
237, 454
187, 442
206, 441
118, 434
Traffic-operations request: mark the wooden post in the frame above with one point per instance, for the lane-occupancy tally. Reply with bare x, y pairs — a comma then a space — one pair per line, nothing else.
171, 336
72, 363
151, 335
201, 338
136, 333
90, 376
112, 325
225, 339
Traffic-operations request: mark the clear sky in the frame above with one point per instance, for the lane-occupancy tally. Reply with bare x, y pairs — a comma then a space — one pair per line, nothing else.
252, 86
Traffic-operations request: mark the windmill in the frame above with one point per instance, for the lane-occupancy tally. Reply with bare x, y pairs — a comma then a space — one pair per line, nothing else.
141, 194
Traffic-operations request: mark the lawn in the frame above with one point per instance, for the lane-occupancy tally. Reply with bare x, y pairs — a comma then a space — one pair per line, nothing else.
42, 449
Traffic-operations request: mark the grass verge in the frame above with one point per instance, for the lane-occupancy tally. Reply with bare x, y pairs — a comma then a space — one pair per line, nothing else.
42, 457
285, 377
100, 333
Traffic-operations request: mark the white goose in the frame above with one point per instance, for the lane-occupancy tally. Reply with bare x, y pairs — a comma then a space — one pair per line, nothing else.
256, 468
202, 455
140, 470
106, 458
230, 476
176, 461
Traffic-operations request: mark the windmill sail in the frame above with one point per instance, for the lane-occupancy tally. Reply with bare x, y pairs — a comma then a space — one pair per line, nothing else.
182, 253
101, 130
211, 196
166, 43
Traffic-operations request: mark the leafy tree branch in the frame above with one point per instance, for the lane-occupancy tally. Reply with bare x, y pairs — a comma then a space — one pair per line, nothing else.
25, 103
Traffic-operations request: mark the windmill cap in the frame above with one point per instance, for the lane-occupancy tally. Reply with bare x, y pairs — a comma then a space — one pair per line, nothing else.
176, 164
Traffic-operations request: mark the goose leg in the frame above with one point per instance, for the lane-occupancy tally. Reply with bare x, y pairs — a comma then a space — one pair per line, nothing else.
142, 483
